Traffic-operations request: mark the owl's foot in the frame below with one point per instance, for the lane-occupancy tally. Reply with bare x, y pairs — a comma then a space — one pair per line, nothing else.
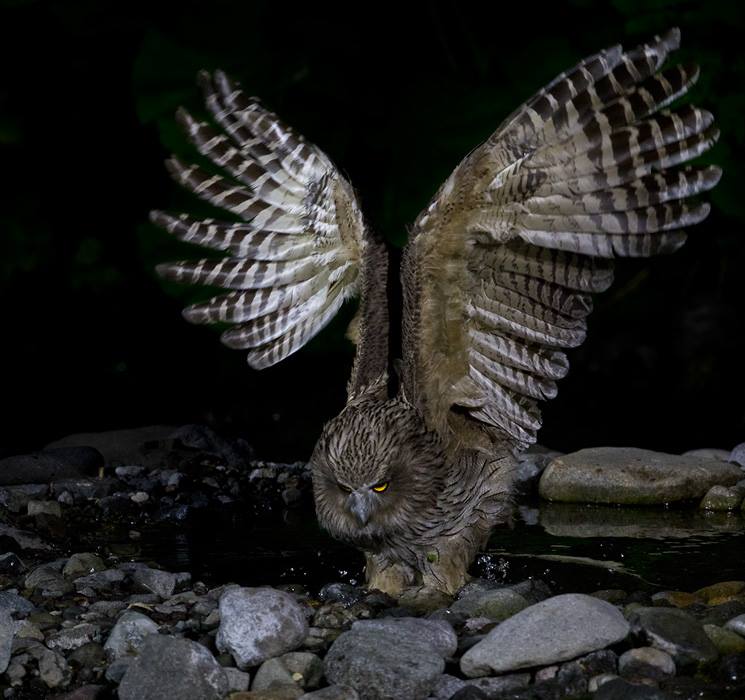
388, 577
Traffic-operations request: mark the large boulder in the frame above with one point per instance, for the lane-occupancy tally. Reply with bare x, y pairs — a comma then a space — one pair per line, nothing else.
628, 476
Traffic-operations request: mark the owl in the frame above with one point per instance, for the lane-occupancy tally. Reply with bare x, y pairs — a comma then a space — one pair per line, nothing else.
495, 283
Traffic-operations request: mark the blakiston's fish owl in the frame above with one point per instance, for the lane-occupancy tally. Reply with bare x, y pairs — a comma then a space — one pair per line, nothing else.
497, 280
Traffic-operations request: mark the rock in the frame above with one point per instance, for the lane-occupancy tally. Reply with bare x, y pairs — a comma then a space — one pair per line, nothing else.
721, 613
116, 670
88, 655
277, 692
85, 489
69, 638
625, 475
723, 589
49, 465
646, 662
469, 692
53, 669
7, 630
167, 667
128, 634
259, 623
82, 564
446, 686
48, 579
556, 629
379, 663
332, 692
24, 540
272, 673
306, 668
340, 593
731, 669
677, 599
737, 456
498, 687
123, 447
676, 633
14, 605
84, 692
737, 624
709, 453
499, 604
11, 565
725, 640
162, 583
237, 680
437, 634
721, 498
100, 582
619, 689
16, 498
25, 629
45, 507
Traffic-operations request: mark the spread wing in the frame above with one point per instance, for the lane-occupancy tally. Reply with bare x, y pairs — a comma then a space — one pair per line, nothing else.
501, 267
297, 244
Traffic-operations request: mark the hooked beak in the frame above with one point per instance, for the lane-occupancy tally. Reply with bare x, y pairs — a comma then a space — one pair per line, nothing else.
360, 505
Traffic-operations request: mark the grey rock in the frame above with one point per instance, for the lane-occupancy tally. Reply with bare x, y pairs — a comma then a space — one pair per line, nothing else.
44, 507
625, 475
646, 662
709, 453
116, 670
85, 489
69, 638
259, 623
14, 605
556, 629
143, 445
619, 689
7, 630
725, 640
54, 670
88, 655
737, 456
676, 633
238, 681
168, 667
25, 540
272, 673
82, 564
340, 593
737, 624
16, 498
48, 579
128, 634
499, 604
28, 630
104, 609
721, 498
380, 664
332, 692
162, 583
437, 634
306, 668
100, 582
446, 686
498, 687
49, 465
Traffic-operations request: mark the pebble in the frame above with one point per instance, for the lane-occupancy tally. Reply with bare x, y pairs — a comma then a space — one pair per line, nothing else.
625, 475
646, 662
380, 664
499, 605
259, 623
675, 632
556, 629
128, 634
721, 499
271, 673
168, 667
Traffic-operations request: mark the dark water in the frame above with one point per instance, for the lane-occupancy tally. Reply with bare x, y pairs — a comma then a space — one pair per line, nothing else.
572, 548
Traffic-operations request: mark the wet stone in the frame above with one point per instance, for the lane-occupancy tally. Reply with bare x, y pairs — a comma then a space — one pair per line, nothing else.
82, 564
619, 689
726, 641
340, 593
272, 673
722, 589
128, 634
259, 623
71, 638
437, 634
676, 599
7, 630
332, 692
11, 565
737, 456
176, 668
646, 662
499, 605
237, 680
676, 633
100, 582
557, 629
721, 498
737, 624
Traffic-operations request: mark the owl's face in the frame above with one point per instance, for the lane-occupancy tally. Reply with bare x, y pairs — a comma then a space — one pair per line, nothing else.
373, 467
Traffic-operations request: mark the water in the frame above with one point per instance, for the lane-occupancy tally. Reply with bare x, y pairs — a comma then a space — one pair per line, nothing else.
571, 547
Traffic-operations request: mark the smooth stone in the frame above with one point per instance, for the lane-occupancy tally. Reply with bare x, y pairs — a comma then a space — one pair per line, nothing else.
49, 465
237, 680
438, 634
676, 633
44, 507
25, 629
646, 662
725, 640
16, 498
259, 623
168, 667
737, 456
272, 673
737, 624
379, 663
619, 689
499, 604
721, 499
85, 489
48, 579
678, 599
709, 453
722, 613
306, 668
556, 629
82, 564
722, 589
162, 583
332, 692
116, 669
128, 634
122, 447
54, 670
7, 631
628, 476
100, 581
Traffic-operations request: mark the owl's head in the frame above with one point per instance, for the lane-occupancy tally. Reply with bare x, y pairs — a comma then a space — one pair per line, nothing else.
374, 466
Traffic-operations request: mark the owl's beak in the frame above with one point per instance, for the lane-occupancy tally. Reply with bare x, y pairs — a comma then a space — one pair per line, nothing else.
360, 505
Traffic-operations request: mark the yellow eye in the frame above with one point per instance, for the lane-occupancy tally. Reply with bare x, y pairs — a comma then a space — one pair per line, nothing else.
379, 488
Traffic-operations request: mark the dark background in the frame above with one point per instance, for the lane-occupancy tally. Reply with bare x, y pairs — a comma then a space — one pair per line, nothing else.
91, 340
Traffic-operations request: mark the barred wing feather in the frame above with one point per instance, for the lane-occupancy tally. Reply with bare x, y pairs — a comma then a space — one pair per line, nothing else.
500, 268
295, 252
